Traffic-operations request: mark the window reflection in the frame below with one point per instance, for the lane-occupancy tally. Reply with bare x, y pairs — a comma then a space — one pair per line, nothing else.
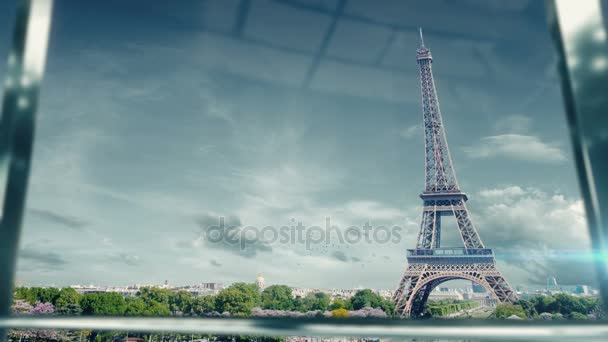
174, 121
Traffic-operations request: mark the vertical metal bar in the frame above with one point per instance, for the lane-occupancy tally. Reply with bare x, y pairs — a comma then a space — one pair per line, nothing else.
579, 35
329, 33
25, 69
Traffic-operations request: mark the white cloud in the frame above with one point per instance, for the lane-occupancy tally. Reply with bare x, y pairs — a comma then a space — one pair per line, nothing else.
411, 131
516, 146
504, 192
543, 234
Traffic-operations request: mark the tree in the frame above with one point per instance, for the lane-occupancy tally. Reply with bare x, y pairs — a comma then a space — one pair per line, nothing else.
156, 294
368, 312
71, 309
156, 309
43, 309
566, 304
202, 305
47, 294
181, 301
315, 301
591, 304
238, 299
22, 307
577, 316
339, 313
298, 304
388, 307
103, 304
366, 298
507, 310
37, 294
25, 294
340, 303
543, 303
252, 289
528, 307
277, 297
68, 302
135, 307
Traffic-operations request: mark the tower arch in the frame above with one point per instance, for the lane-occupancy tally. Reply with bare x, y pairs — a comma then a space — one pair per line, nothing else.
423, 289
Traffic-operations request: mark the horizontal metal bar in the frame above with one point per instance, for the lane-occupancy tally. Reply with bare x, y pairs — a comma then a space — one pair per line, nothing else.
487, 330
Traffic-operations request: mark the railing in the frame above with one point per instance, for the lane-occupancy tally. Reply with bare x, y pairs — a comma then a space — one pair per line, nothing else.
450, 252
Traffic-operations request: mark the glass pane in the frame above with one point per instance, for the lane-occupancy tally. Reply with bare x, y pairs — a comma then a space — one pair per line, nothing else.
198, 147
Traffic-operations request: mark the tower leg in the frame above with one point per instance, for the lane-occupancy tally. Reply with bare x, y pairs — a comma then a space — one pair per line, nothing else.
420, 279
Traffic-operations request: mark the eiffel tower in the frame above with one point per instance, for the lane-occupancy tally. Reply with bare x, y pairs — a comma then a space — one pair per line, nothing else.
430, 264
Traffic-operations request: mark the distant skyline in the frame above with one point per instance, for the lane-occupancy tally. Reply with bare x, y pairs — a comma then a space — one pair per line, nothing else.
156, 120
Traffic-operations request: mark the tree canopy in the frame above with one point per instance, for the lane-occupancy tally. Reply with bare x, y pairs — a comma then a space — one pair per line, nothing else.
277, 297
103, 304
238, 299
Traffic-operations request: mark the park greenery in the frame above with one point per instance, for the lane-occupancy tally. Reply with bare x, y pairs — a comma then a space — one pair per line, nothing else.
238, 300
247, 300
444, 307
559, 306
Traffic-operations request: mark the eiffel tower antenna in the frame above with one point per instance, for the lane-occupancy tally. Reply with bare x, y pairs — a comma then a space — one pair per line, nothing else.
421, 37
430, 264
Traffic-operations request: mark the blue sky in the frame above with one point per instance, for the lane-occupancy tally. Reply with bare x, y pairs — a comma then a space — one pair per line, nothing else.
155, 120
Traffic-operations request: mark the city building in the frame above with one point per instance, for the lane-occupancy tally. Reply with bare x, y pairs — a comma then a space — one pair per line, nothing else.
446, 293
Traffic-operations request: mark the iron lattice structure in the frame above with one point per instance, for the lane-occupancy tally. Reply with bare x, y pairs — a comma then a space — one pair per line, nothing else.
430, 264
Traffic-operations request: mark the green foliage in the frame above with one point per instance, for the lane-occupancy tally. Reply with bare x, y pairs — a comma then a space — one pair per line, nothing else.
528, 307
149, 294
543, 303
181, 301
238, 299
135, 306
445, 307
388, 307
365, 298
340, 303
68, 302
314, 301
103, 304
577, 316
156, 309
70, 309
277, 297
202, 305
507, 310
565, 304
37, 294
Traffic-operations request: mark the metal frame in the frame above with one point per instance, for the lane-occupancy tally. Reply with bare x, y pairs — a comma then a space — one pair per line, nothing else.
454, 329
586, 118
25, 69
16, 136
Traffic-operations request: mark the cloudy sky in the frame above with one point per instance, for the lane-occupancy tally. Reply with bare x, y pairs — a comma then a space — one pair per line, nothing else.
156, 121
